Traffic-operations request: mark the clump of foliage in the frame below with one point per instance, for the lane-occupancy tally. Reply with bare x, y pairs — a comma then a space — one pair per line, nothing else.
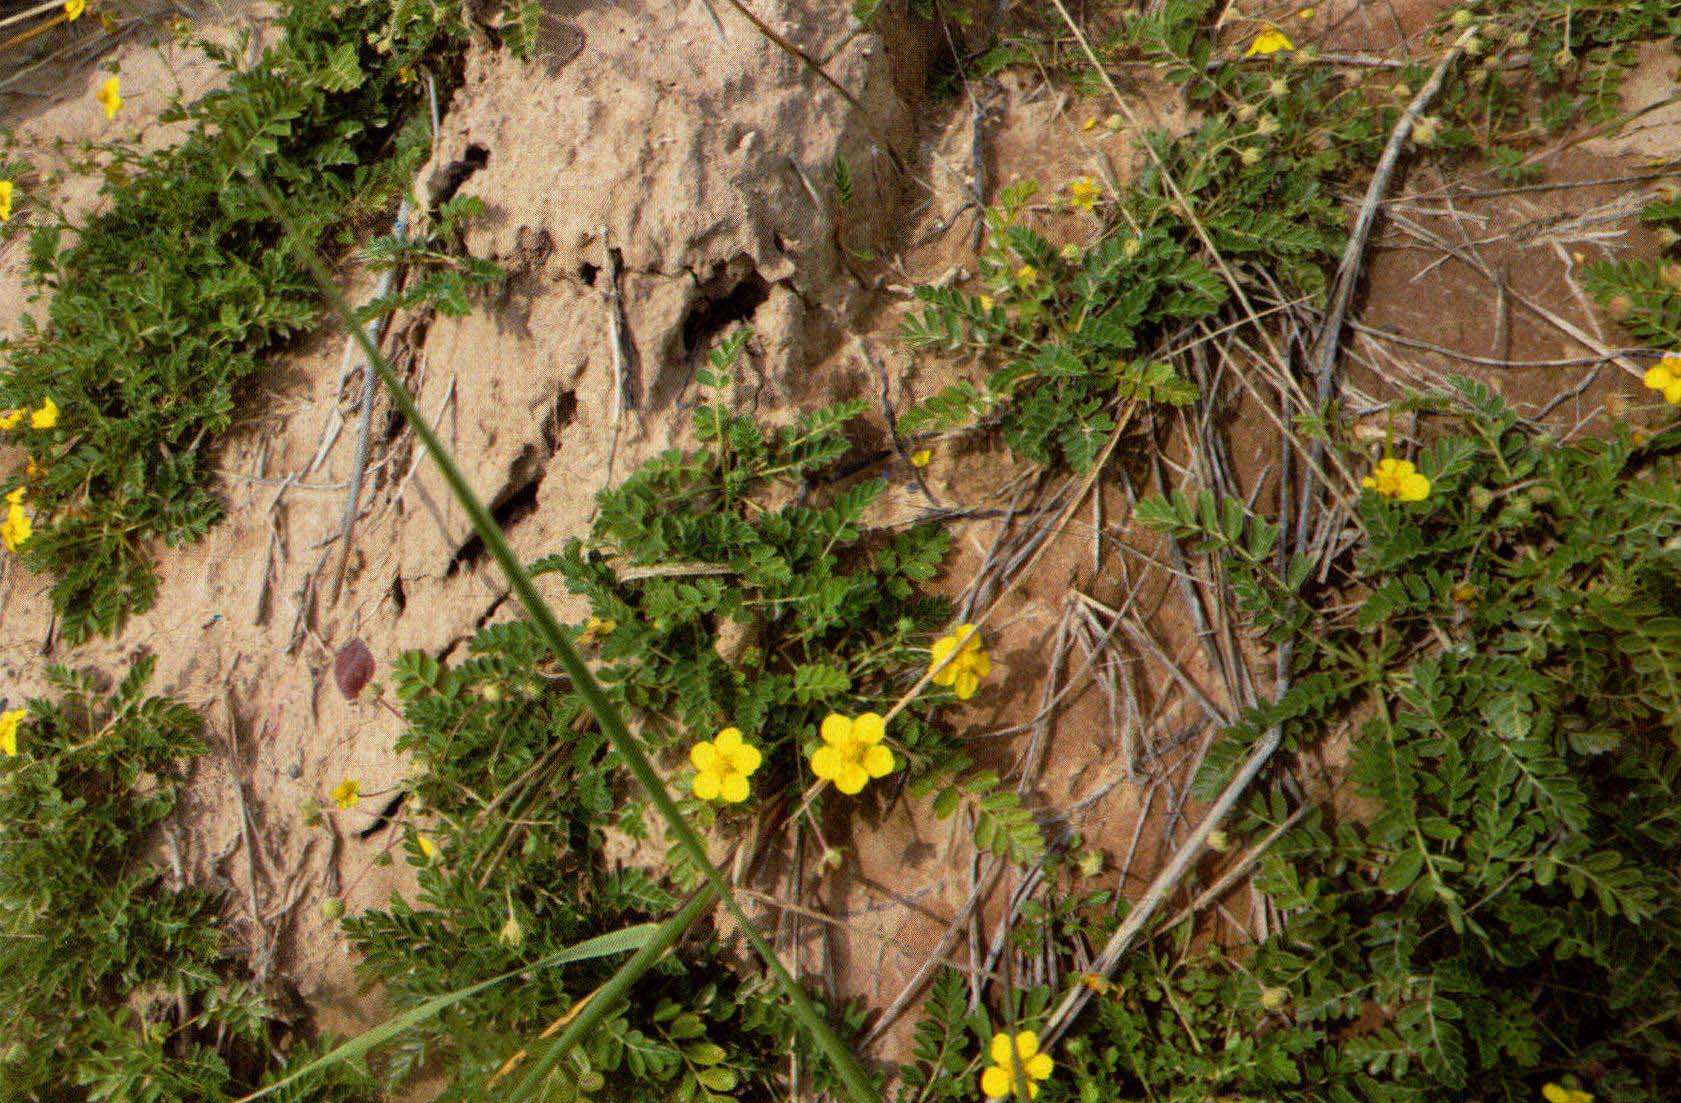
1501, 910
165, 303
508, 811
119, 985
728, 610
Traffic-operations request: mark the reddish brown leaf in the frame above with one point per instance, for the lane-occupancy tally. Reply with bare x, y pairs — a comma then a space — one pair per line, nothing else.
353, 667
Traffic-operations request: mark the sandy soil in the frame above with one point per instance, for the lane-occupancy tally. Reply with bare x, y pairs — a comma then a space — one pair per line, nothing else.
701, 169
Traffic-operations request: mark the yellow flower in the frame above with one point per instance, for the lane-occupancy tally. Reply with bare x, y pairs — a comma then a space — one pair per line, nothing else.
16, 528
1398, 479
347, 794
1083, 193
1556, 1093
724, 766
594, 629
16, 495
33, 469
1089, 123
46, 417
1015, 1060
922, 457
852, 753
1027, 275
111, 97
428, 848
9, 723
1270, 41
987, 303
11, 418
972, 663
73, 9
1305, 13
1664, 377
5, 200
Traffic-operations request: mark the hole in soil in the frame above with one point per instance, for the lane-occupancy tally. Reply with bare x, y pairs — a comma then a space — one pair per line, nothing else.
457, 173
722, 305
563, 412
587, 272
399, 597
514, 507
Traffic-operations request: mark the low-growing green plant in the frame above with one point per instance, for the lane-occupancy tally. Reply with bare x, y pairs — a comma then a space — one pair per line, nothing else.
715, 607
162, 306
508, 826
119, 985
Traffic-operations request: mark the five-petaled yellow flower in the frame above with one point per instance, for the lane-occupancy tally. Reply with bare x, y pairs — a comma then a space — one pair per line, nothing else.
347, 794
922, 457
965, 671
1665, 377
1027, 275
1083, 193
5, 200
46, 417
1398, 479
723, 766
852, 753
1557, 1093
1012, 1058
11, 419
111, 97
73, 9
9, 724
1270, 41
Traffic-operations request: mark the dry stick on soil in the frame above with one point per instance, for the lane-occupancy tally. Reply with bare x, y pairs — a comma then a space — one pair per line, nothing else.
1564, 325
364, 423
1322, 360
618, 333
893, 419
1238, 872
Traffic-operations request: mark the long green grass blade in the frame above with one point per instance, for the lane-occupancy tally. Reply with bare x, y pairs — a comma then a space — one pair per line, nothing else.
629, 748
608, 998
637, 938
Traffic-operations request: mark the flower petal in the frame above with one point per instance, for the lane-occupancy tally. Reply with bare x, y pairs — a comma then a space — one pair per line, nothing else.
734, 790
826, 762
1369, 483
1000, 1051
748, 758
1040, 1066
967, 683
1027, 1044
836, 729
878, 761
1415, 488
704, 756
981, 663
869, 728
995, 1082
851, 778
706, 785
727, 741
